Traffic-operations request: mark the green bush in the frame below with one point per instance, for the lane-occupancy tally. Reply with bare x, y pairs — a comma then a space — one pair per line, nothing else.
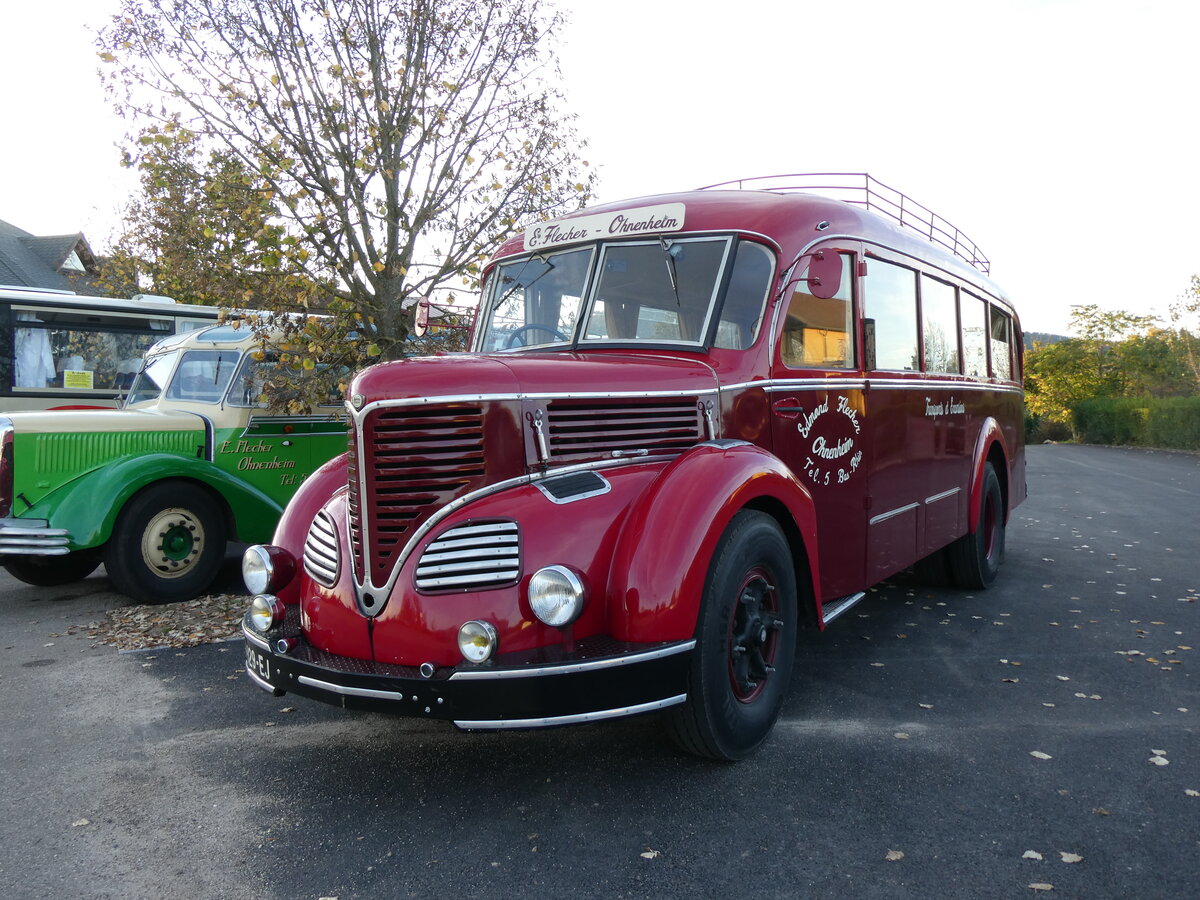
1172, 422
1039, 429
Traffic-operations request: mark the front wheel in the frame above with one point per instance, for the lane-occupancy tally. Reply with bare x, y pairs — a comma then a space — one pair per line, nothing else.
51, 571
974, 558
168, 544
745, 643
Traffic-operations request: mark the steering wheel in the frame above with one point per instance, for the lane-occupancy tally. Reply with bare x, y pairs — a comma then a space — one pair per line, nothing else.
532, 326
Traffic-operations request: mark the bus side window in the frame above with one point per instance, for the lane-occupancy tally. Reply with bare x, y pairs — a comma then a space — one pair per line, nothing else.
890, 294
1001, 344
974, 336
939, 325
819, 333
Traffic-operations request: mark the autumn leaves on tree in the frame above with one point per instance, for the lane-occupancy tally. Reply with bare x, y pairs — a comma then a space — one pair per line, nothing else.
346, 158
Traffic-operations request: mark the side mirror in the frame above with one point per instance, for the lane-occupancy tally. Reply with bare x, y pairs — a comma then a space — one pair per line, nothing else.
824, 274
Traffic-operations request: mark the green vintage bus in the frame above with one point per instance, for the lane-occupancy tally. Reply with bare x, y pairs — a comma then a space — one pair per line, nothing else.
155, 490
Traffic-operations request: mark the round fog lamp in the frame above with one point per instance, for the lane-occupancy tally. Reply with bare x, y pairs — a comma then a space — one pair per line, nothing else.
476, 640
265, 613
556, 595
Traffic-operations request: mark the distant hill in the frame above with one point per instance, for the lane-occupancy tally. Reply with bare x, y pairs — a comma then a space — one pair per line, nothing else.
1041, 337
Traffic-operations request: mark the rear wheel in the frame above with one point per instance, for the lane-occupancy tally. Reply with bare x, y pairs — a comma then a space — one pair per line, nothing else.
168, 544
975, 558
745, 643
50, 571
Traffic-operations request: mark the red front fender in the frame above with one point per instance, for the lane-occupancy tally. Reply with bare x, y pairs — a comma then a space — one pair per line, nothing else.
668, 539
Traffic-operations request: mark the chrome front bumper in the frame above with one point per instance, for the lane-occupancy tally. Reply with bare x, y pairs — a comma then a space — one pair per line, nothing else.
623, 680
32, 537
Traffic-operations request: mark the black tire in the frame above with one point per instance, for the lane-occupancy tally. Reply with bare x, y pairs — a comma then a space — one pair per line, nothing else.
975, 558
168, 543
51, 571
745, 643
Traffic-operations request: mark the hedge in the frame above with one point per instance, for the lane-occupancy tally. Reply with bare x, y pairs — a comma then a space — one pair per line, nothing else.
1170, 422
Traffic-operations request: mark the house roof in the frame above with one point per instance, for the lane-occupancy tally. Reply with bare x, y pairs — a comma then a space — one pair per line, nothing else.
28, 260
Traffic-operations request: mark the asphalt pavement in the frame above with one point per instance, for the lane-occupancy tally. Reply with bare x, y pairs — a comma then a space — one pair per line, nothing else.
1036, 738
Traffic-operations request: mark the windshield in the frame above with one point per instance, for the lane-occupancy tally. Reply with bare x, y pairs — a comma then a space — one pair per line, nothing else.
149, 382
536, 300
657, 291
249, 386
203, 375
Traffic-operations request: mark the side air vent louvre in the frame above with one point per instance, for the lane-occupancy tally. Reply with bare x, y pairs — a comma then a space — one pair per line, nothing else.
321, 551
576, 486
590, 428
472, 556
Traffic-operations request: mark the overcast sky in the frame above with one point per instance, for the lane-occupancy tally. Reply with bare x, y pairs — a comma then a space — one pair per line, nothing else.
1060, 135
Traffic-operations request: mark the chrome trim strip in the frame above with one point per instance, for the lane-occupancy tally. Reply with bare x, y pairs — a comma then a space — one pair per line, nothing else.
892, 513
438, 517
576, 719
347, 691
595, 665
29, 527
774, 386
359, 415
840, 605
265, 685
500, 578
942, 496
256, 640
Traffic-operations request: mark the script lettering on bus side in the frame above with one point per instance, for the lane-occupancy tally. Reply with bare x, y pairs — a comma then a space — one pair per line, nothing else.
252, 459
833, 431
949, 407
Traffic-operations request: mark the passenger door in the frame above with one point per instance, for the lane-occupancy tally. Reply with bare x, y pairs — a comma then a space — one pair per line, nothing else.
819, 423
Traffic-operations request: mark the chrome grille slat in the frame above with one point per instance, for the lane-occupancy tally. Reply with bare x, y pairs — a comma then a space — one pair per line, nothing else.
475, 556
414, 460
579, 428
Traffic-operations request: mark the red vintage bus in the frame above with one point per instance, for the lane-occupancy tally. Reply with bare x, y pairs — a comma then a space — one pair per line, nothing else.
690, 425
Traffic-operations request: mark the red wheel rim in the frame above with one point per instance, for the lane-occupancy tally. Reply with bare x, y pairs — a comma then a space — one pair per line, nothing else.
754, 630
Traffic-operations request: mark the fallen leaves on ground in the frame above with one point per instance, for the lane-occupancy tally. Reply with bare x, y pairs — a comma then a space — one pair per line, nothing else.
894, 855
187, 624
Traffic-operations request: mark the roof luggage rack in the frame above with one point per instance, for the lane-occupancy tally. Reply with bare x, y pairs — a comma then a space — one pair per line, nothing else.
860, 189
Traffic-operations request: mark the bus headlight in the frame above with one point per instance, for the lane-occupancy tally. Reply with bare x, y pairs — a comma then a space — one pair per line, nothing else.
266, 612
556, 595
267, 569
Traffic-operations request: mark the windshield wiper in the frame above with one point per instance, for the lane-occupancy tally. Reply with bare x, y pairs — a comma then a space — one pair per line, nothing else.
671, 273
517, 278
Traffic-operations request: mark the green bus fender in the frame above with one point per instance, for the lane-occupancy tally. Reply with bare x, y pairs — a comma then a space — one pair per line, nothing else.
88, 506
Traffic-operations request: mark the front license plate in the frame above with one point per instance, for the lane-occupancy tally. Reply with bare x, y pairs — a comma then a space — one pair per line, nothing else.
257, 663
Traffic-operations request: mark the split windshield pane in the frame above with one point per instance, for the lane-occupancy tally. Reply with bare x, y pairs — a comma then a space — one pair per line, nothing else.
537, 300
